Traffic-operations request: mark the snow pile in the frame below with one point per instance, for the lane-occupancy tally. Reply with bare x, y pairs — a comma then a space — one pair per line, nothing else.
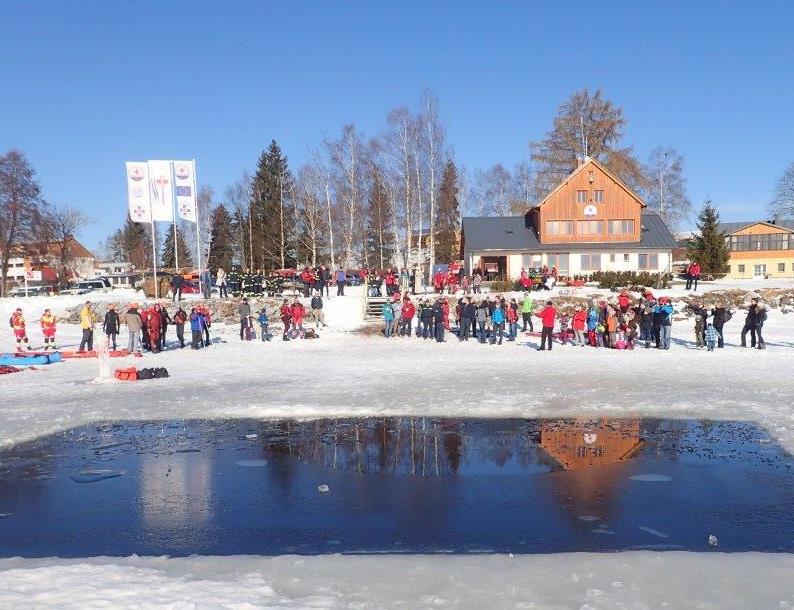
612, 581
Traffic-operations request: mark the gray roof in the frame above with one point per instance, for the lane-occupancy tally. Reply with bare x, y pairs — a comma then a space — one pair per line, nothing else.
727, 228
513, 233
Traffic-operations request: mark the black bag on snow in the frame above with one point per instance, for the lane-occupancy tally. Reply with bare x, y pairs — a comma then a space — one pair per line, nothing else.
153, 373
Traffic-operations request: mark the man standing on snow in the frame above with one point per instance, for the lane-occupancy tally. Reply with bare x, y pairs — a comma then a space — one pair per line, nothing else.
527, 307
244, 309
87, 324
317, 310
17, 323
134, 325
111, 325
341, 278
548, 316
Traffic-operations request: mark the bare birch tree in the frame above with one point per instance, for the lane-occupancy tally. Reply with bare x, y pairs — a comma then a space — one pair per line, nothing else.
346, 156
782, 205
434, 142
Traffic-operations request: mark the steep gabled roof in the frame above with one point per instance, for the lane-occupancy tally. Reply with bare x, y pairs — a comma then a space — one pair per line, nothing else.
728, 228
591, 161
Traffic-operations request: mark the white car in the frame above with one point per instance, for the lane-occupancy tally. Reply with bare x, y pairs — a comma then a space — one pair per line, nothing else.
86, 286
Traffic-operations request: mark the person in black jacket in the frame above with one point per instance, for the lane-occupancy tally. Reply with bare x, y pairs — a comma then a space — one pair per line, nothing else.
317, 310
751, 324
180, 317
438, 321
111, 325
176, 288
700, 329
467, 319
720, 316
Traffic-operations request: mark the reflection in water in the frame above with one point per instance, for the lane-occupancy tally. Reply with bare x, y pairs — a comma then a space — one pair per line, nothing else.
175, 489
583, 443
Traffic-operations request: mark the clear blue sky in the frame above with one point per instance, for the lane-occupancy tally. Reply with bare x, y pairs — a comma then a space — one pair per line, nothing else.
87, 85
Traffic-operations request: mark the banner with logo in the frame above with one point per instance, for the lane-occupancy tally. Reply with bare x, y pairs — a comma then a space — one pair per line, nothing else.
162, 188
184, 188
138, 193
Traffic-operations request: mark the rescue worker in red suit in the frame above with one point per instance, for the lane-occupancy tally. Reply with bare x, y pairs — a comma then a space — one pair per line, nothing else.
408, 311
47, 322
17, 323
297, 311
153, 327
452, 282
438, 282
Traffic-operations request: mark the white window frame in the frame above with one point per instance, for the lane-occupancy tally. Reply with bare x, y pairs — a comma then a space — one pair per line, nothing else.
581, 196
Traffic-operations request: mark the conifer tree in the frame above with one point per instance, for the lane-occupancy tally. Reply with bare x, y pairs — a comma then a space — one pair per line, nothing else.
708, 247
132, 242
221, 239
272, 225
169, 259
448, 222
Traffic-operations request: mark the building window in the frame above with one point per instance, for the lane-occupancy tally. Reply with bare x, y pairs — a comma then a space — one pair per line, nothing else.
621, 227
558, 260
626, 258
598, 196
590, 227
591, 262
581, 196
611, 258
559, 227
756, 243
741, 268
781, 267
648, 262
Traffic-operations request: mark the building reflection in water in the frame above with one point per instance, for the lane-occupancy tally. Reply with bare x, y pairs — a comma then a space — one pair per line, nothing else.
589, 452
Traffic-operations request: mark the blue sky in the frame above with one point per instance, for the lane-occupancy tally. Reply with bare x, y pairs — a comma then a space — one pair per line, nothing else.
88, 85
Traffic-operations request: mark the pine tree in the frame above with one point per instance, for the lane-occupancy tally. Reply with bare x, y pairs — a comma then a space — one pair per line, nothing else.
273, 226
169, 260
221, 239
133, 243
708, 248
379, 244
448, 222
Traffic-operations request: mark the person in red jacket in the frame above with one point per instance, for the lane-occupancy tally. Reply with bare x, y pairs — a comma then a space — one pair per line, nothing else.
548, 315
207, 322
286, 318
438, 282
445, 310
579, 323
153, 327
17, 323
694, 276
524, 279
452, 282
297, 312
624, 301
512, 320
407, 314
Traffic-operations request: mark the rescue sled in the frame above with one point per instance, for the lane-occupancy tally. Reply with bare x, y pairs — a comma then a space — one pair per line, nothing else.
29, 359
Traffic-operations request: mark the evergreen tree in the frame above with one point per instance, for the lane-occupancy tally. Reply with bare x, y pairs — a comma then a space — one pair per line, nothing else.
708, 248
169, 259
379, 244
273, 226
133, 243
448, 222
221, 239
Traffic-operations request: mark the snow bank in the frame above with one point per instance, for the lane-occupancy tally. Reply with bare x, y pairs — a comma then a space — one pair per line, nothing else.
615, 581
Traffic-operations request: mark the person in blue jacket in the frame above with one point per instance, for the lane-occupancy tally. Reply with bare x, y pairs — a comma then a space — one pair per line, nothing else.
341, 278
196, 328
592, 325
498, 321
663, 320
264, 323
387, 311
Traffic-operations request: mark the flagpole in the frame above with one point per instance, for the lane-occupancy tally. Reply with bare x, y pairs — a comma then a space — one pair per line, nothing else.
154, 260
173, 214
198, 218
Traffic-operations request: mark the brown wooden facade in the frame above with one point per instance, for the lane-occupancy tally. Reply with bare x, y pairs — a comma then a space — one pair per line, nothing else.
590, 193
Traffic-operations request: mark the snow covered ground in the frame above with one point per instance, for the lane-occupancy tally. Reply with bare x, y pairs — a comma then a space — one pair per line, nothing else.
345, 373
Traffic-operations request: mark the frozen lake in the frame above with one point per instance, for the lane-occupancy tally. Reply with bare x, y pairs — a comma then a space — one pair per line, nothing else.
396, 485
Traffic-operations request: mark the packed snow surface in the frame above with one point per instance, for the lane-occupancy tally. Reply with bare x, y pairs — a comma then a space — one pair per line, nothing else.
351, 374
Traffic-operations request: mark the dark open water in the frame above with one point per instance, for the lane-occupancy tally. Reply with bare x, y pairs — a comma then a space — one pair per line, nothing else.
396, 485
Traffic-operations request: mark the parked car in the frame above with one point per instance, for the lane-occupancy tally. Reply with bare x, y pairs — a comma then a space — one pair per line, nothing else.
97, 284
32, 291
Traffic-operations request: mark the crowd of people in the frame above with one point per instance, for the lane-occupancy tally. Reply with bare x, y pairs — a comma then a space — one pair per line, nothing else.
624, 322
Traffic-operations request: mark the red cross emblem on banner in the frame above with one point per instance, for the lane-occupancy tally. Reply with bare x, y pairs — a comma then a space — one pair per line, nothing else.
162, 181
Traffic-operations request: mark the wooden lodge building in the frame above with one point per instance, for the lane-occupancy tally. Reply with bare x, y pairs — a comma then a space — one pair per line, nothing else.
760, 249
590, 222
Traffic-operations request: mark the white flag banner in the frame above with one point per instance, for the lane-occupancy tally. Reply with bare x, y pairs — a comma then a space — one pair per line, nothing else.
162, 187
138, 193
184, 188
